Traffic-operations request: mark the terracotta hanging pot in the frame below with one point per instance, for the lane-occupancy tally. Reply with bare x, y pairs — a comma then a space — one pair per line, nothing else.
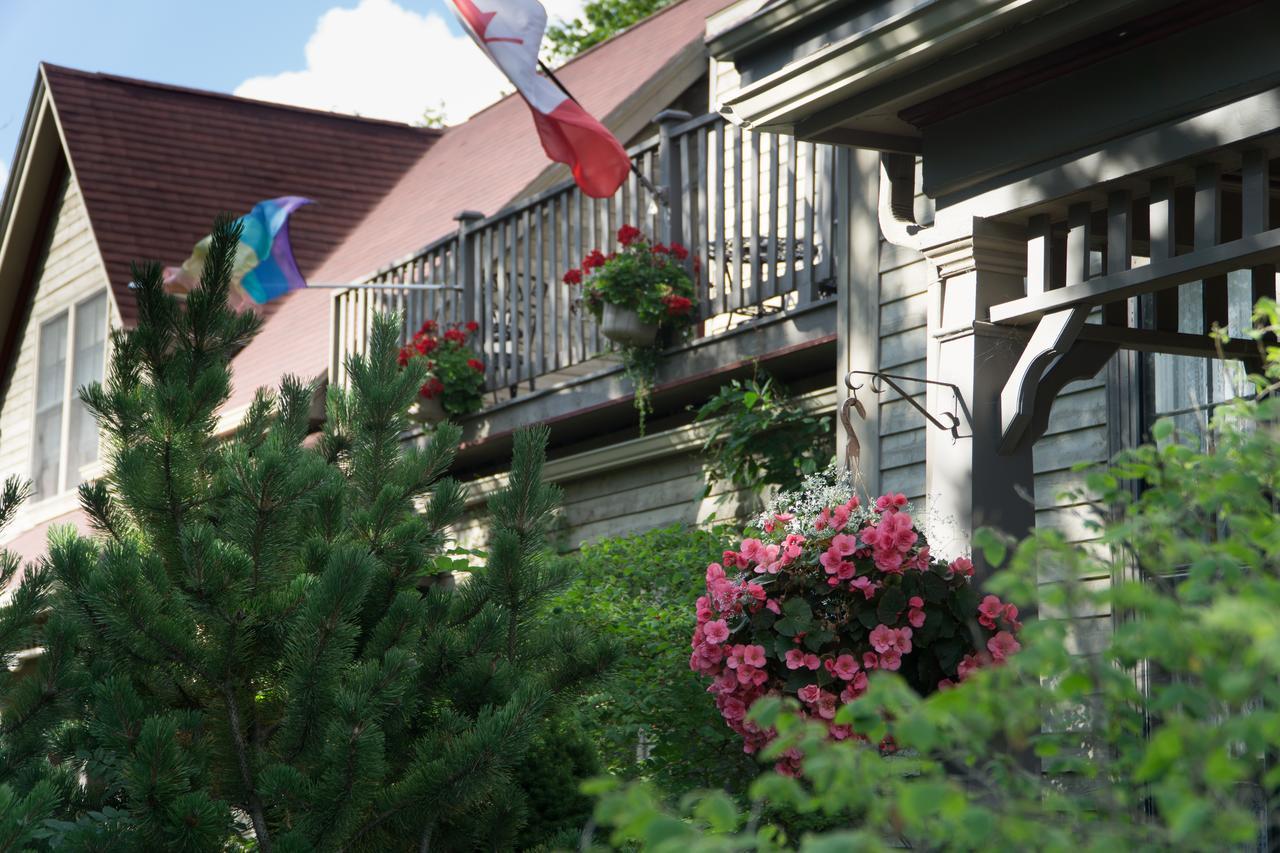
427, 411
624, 326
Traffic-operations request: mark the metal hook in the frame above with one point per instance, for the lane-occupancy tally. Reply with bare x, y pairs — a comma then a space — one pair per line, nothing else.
877, 383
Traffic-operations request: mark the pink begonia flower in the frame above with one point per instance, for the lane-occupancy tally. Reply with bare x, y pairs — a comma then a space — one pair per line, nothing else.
809, 693
735, 656
792, 546
1002, 645
756, 591
1011, 616
784, 517
830, 560
716, 632
840, 517
703, 608
750, 550
844, 544
845, 667
916, 615
889, 562
890, 503
768, 526
749, 675
868, 588
772, 605
794, 658
946, 684
714, 572
961, 566
989, 611
883, 638
734, 709
826, 705
732, 559
753, 656
824, 520
972, 663
891, 660
870, 661
841, 732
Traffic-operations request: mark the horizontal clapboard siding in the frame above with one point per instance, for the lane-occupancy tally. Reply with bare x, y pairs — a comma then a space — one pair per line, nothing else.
904, 282
69, 271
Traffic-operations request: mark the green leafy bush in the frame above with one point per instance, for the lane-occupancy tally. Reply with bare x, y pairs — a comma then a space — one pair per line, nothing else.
761, 437
639, 590
1159, 734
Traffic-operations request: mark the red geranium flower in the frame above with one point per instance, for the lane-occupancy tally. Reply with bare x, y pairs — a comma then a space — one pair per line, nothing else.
404, 356
659, 249
573, 276
628, 234
428, 326
431, 388
473, 326
476, 365
679, 251
677, 305
424, 344
593, 260
457, 336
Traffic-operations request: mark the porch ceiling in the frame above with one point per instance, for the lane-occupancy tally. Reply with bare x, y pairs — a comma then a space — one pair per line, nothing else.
866, 89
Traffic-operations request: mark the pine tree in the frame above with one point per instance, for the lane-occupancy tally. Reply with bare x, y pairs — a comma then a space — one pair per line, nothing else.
251, 645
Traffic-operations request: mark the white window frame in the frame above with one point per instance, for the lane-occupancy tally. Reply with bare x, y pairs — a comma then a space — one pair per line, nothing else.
63, 484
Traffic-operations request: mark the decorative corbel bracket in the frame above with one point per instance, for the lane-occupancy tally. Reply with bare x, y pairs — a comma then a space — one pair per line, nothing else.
1052, 357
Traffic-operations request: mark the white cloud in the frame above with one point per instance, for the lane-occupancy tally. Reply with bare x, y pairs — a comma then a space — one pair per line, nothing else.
384, 61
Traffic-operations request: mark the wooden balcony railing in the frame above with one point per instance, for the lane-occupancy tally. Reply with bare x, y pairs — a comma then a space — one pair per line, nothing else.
756, 212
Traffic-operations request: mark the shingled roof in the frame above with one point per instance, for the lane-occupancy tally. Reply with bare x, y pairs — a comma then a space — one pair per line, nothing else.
155, 162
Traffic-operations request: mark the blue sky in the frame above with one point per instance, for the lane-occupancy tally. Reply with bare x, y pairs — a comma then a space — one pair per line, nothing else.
385, 58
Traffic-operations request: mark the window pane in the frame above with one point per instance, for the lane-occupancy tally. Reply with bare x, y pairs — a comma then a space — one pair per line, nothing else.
90, 345
51, 377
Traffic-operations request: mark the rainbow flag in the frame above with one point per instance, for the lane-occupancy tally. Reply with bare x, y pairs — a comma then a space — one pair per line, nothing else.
264, 267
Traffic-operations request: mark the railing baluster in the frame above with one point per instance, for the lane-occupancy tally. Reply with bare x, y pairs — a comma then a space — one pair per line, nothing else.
1119, 250
1163, 244
1078, 219
1039, 254
753, 220
702, 229
789, 249
1208, 232
739, 285
810, 243
530, 324
769, 200
1255, 179
538, 284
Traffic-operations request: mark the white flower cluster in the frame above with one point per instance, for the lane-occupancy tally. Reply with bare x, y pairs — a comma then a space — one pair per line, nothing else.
819, 491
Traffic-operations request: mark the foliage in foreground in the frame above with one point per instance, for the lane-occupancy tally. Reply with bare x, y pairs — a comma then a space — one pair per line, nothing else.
1161, 735
638, 589
247, 647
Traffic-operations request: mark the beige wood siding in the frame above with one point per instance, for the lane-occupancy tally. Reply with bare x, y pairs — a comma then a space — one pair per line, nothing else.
70, 270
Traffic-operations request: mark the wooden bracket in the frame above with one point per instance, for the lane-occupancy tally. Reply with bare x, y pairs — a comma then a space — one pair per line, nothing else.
1052, 339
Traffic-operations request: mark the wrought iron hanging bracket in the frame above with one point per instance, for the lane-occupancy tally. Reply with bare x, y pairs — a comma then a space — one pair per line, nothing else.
878, 383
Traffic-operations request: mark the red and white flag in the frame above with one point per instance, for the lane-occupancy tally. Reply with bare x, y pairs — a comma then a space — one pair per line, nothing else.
510, 32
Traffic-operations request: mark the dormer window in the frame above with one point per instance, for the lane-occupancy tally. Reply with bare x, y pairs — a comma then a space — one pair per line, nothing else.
71, 354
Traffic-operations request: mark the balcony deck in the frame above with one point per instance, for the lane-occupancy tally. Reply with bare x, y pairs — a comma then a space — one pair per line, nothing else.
756, 213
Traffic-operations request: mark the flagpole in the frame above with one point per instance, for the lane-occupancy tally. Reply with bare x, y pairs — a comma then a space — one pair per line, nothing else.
657, 192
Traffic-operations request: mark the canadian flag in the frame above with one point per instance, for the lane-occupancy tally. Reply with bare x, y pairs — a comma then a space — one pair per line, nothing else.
510, 32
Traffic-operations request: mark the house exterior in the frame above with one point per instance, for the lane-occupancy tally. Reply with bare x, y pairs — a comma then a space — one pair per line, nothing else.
111, 169
950, 194
1064, 197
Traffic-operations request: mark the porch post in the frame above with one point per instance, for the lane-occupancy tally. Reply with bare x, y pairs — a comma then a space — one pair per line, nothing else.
969, 484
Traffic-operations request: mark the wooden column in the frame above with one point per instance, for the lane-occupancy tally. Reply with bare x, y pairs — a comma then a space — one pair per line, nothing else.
671, 171
857, 250
969, 483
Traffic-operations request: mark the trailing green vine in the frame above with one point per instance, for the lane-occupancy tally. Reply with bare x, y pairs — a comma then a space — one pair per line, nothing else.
761, 436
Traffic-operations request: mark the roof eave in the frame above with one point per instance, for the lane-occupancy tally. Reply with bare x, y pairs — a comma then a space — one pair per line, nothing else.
785, 100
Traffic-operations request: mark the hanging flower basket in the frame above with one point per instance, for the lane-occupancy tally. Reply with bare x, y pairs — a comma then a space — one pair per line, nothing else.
427, 410
624, 326
643, 297
830, 592
455, 377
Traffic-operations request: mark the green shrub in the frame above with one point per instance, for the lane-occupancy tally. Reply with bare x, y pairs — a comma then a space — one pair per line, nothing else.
640, 590
1161, 736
